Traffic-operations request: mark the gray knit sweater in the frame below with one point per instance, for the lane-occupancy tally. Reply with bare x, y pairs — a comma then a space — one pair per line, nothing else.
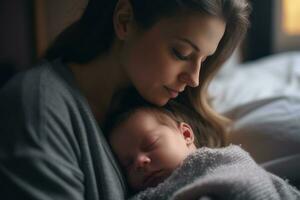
51, 147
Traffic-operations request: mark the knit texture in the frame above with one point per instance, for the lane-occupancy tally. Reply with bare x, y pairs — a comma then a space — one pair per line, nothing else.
224, 173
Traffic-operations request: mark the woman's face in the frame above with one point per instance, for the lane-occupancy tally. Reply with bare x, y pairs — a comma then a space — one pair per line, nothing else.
149, 150
162, 61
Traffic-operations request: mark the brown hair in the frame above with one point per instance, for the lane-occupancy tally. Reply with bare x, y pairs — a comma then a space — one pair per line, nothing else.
93, 34
127, 102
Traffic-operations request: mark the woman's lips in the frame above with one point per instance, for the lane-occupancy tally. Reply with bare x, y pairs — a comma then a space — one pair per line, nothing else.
173, 93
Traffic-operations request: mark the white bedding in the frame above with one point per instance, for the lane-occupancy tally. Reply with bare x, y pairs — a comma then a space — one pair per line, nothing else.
263, 99
272, 76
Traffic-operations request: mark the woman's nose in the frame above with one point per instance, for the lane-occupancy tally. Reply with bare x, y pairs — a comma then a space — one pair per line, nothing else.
191, 76
142, 161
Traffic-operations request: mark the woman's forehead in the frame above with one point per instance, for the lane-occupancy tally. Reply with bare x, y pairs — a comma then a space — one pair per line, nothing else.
200, 30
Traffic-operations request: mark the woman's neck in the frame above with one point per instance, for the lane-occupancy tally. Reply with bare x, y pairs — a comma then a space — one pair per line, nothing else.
98, 80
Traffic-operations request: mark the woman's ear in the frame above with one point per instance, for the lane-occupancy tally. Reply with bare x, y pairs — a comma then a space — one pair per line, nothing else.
187, 133
123, 19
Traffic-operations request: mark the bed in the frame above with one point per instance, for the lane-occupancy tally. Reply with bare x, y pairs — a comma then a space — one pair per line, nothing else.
263, 99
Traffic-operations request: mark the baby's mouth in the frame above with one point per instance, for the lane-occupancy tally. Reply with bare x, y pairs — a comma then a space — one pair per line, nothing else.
154, 178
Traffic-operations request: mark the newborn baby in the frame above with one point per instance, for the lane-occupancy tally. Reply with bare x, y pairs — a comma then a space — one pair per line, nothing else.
150, 144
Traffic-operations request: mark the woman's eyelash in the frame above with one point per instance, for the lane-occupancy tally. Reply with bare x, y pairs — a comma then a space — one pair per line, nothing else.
179, 56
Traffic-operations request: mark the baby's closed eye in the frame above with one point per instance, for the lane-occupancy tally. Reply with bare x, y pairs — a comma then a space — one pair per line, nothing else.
152, 144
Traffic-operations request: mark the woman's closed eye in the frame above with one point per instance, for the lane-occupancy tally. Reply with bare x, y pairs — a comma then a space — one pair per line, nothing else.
179, 55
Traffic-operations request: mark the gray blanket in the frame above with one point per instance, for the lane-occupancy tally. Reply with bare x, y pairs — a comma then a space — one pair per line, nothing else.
225, 173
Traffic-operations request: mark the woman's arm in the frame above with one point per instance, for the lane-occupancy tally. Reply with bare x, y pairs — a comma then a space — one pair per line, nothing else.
35, 163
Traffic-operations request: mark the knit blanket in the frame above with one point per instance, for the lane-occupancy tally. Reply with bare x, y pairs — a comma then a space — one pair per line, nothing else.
223, 173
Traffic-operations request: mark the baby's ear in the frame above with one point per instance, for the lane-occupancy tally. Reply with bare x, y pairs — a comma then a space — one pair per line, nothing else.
187, 132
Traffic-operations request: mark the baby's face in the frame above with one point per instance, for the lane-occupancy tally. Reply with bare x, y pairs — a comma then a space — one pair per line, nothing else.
149, 150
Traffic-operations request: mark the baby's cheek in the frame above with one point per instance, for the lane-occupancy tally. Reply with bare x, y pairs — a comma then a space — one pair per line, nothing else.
177, 161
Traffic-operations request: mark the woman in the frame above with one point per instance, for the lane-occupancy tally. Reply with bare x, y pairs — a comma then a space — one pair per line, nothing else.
51, 142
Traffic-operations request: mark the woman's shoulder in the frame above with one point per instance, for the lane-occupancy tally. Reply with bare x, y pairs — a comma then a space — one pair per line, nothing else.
42, 84
34, 104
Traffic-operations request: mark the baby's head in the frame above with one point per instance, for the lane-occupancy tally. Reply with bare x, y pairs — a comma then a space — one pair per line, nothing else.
149, 145
150, 142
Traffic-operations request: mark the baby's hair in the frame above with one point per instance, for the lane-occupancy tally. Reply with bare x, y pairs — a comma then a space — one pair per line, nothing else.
126, 102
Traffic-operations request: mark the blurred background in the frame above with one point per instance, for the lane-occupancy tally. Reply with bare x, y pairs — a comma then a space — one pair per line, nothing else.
27, 27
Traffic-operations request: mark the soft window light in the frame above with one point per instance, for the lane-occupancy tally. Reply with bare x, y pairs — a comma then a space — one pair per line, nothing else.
291, 17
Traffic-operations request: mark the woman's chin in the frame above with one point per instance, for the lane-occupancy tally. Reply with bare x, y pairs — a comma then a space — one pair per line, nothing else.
158, 100
161, 102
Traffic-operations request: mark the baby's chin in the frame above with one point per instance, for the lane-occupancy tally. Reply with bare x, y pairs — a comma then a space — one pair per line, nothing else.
156, 181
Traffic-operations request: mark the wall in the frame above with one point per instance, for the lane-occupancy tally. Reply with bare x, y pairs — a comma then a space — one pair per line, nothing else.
52, 17
281, 40
16, 37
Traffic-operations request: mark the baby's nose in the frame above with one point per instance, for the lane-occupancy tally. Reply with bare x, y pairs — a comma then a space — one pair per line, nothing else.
142, 161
